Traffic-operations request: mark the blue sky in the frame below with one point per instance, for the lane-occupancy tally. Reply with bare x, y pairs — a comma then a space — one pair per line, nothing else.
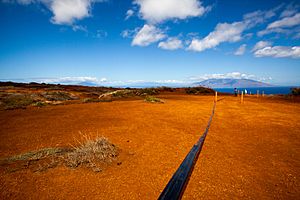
114, 42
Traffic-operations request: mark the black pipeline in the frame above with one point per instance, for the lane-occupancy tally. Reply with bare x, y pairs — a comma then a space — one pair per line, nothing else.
177, 184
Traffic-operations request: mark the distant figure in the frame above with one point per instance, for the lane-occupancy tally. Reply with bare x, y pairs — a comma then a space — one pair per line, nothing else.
235, 92
246, 91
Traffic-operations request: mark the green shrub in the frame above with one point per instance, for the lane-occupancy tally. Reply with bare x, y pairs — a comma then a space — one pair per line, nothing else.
199, 90
14, 101
57, 96
147, 91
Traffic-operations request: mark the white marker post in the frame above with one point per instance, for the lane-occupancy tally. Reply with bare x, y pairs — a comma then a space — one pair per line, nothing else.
216, 96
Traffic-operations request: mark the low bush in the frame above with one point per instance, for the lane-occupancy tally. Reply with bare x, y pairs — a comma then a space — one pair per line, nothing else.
152, 99
199, 90
147, 91
13, 101
122, 93
57, 96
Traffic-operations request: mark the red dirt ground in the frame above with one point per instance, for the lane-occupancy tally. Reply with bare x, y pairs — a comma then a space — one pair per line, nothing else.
252, 150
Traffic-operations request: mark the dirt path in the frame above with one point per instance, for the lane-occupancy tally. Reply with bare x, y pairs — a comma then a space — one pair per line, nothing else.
252, 150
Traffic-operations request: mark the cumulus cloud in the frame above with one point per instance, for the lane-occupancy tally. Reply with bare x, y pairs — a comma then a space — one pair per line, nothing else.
241, 50
171, 44
230, 32
156, 11
223, 32
261, 45
146, 35
278, 52
65, 12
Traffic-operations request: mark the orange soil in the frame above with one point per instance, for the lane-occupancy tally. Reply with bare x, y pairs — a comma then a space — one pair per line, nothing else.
252, 150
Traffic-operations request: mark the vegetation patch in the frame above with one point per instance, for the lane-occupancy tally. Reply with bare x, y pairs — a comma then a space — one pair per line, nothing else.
152, 99
57, 96
122, 93
93, 100
295, 91
93, 154
147, 91
17, 100
40, 104
199, 90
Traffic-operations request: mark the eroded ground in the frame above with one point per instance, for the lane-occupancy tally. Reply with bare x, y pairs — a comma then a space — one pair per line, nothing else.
252, 150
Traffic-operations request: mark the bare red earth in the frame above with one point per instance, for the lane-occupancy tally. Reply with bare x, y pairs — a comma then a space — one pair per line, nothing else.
252, 150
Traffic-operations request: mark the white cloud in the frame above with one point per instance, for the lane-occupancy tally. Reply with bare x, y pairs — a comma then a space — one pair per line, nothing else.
156, 11
286, 22
71, 80
290, 10
171, 44
285, 25
258, 17
230, 75
129, 13
65, 12
223, 32
261, 45
146, 35
129, 33
231, 32
241, 50
278, 52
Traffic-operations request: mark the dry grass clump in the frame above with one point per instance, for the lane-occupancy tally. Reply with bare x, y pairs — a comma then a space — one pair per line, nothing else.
93, 154
37, 155
152, 99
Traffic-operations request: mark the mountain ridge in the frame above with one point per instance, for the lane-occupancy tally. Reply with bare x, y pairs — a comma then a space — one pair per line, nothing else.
231, 83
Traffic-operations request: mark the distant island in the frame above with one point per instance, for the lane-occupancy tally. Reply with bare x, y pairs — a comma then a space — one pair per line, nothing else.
232, 83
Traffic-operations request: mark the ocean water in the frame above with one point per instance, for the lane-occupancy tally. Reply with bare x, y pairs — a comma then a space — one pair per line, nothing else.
266, 90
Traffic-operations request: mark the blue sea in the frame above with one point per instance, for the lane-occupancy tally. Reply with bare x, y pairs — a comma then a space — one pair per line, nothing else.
266, 90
